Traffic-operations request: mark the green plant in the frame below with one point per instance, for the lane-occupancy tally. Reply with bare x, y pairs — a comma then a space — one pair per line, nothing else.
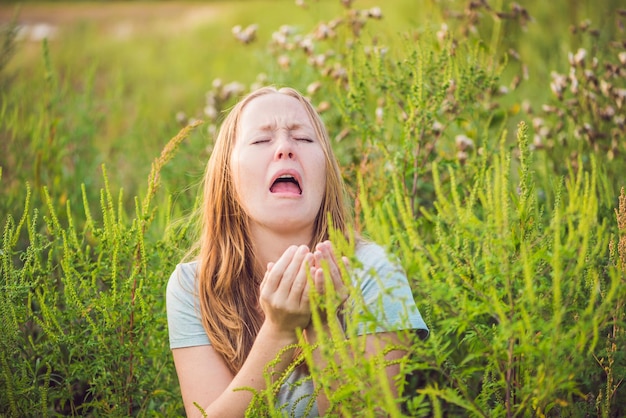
507, 233
85, 327
501, 283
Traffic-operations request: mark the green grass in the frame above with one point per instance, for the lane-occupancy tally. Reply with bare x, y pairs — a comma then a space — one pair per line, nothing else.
516, 253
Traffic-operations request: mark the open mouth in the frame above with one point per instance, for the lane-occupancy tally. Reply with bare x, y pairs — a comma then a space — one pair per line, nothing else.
286, 184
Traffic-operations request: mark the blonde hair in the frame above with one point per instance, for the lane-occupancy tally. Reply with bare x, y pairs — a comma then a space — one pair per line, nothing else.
229, 273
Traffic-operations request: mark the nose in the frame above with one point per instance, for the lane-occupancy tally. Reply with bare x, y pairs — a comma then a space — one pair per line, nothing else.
284, 148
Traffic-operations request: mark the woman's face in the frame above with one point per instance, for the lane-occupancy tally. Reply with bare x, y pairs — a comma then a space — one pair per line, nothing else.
278, 164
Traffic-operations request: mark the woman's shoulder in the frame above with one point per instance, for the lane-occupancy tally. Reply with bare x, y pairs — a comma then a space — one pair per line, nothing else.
183, 279
372, 255
366, 250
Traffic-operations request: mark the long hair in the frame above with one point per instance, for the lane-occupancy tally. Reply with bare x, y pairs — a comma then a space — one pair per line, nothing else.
229, 273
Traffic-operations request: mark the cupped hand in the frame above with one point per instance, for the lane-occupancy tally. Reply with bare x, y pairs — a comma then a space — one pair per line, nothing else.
284, 291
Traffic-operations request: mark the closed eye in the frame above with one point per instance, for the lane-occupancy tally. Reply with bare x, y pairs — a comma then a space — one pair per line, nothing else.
260, 141
304, 139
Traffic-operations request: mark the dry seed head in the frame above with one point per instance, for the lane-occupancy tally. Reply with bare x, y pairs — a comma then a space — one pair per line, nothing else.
232, 89
451, 86
463, 142
573, 81
622, 57
210, 98
246, 35
437, 127
584, 25
514, 54
339, 73
379, 114
323, 107
323, 31
375, 13
557, 90
607, 113
313, 87
317, 60
442, 33
341, 135
286, 30
284, 62
210, 112
279, 38
307, 45
579, 58
335, 22
605, 88
620, 94
515, 82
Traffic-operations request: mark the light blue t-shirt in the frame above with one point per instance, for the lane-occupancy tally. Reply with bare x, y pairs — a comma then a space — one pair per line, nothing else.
386, 296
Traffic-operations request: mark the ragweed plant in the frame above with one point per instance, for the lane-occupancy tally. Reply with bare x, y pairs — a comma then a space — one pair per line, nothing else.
508, 235
502, 283
79, 312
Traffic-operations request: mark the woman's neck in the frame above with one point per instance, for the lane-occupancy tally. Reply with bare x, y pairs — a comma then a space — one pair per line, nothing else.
269, 244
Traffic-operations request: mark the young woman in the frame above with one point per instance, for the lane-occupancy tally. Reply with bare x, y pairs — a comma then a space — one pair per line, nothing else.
271, 185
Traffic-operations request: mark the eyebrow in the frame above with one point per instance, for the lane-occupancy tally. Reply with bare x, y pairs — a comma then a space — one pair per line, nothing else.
271, 127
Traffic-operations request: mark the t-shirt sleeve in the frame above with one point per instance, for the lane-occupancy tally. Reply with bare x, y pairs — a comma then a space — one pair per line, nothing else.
387, 300
183, 311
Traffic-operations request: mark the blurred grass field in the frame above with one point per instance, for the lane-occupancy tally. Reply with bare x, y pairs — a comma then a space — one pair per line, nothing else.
125, 70
130, 67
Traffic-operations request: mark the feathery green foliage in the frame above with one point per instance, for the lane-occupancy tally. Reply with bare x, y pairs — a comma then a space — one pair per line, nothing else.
480, 149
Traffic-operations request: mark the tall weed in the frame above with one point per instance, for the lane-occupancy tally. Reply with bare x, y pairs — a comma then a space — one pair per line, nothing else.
523, 304
83, 308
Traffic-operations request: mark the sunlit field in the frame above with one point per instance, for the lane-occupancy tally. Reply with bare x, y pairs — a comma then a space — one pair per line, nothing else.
482, 143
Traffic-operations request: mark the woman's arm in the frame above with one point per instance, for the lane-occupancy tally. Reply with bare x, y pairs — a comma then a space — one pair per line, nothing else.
205, 379
202, 372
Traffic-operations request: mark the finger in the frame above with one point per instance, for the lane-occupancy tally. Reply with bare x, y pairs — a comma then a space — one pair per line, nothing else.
333, 267
346, 262
291, 271
274, 274
267, 270
300, 282
318, 279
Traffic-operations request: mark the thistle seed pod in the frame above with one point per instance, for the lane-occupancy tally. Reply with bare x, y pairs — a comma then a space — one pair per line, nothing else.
375, 13
463, 142
313, 87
